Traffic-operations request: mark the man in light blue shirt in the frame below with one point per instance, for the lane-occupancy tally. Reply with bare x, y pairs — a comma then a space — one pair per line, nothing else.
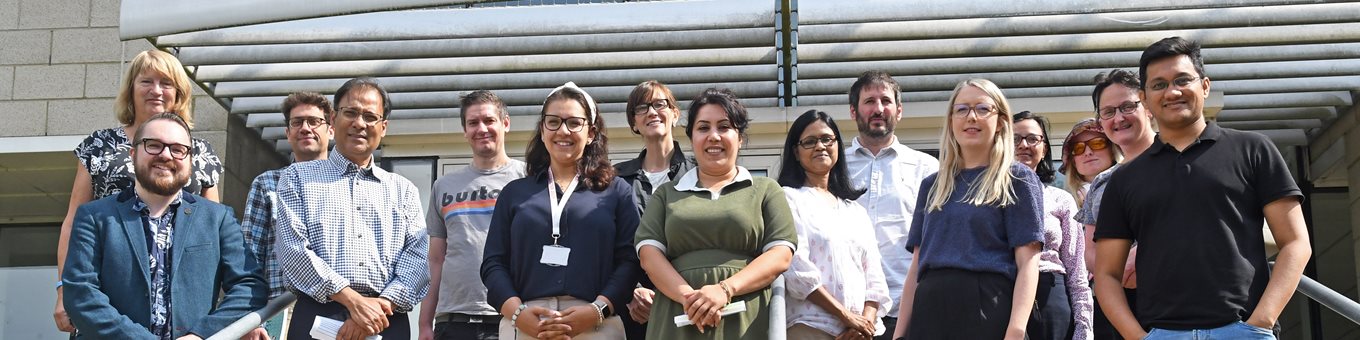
890, 171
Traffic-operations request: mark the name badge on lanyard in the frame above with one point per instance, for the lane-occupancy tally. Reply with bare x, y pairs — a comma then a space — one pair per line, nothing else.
554, 254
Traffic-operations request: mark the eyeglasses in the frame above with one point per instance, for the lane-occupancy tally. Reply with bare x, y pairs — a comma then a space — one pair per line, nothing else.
1181, 81
983, 110
1096, 144
811, 142
1126, 108
1030, 139
368, 117
658, 105
307, 122
156, 147
554, 122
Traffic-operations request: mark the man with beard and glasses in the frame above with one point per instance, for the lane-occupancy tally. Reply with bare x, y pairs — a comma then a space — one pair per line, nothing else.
151, 263
309, 135
890, 171
350, 236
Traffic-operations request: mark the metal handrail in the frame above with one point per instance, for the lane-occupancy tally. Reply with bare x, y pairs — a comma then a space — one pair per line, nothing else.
1329, 298
253, 320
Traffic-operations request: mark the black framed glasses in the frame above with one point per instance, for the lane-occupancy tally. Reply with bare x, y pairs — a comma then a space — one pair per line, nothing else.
307, 122
983, 110
1128, 107
368, 117
156, 147
1030, 140
554, 122
811, 142
658, 105
1096, 144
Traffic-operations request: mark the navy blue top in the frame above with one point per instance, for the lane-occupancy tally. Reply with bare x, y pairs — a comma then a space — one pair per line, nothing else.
598, 226
973, 237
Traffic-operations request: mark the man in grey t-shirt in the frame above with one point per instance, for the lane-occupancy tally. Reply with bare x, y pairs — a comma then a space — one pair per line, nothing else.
459, 214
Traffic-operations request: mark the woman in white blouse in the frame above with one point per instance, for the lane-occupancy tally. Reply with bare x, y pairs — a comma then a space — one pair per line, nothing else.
835, 283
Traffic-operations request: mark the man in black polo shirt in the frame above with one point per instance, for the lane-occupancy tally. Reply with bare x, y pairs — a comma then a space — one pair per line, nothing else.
1194, 202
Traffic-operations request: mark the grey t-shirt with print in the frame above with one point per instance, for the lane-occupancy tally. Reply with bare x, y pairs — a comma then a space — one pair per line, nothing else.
460, 213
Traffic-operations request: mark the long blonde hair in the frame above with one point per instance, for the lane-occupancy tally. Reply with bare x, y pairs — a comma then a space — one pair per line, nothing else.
167, 64
994, 186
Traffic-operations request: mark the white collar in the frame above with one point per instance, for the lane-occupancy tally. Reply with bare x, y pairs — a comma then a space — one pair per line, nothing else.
690, 182
895, 146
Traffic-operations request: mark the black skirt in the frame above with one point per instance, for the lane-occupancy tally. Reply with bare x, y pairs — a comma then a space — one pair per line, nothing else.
961, 304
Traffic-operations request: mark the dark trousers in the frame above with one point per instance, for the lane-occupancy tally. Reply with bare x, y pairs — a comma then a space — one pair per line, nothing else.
1052, 315
450, 330
889, 323
1101, 328
632, 329
306, 310
961, 304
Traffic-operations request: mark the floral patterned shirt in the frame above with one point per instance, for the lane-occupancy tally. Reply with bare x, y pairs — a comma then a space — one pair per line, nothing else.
105, 155
1065, 253
160, 231
837, 250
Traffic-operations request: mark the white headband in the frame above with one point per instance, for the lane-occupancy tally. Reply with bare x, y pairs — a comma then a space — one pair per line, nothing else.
590, 102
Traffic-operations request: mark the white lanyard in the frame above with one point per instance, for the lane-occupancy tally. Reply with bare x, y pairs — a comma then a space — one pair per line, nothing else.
558, 208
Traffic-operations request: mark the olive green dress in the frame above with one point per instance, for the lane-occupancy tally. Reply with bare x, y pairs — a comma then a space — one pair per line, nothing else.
708, 239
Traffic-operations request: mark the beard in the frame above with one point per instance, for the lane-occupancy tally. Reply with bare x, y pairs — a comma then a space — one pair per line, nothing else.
162, 185
865, 126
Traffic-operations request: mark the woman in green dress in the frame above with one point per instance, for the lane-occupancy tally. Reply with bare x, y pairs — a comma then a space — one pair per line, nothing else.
716, 235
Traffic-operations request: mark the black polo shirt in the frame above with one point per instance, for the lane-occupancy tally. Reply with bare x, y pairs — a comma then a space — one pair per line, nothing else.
1197, 217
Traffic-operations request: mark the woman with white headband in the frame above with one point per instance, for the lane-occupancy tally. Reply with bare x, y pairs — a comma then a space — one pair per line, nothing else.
559, 257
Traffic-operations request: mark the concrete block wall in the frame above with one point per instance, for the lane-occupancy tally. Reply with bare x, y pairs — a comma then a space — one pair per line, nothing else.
59, 74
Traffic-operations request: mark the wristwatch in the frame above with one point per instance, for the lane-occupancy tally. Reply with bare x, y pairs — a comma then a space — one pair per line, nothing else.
603, 307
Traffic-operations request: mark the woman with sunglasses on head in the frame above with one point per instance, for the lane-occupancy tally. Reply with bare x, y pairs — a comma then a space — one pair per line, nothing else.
154, 83
835, 284
1129, 125
1063, 300
977, 231
716, 236
654, 113
559, 251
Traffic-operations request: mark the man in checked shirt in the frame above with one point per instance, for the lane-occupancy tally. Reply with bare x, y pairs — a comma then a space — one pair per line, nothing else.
350, 235
309, 135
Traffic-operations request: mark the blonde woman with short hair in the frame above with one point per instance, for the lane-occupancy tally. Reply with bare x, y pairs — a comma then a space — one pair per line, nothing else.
977, 229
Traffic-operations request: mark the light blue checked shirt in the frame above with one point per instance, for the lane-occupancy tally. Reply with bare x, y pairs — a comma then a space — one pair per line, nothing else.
258, 229
338, 225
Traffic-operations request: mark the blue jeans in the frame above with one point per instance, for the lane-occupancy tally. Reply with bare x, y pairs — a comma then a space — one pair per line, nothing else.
1236, 330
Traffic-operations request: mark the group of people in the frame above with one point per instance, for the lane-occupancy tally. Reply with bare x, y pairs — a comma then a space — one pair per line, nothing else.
873, 239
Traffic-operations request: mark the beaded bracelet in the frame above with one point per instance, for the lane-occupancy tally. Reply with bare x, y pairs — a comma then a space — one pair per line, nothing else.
515, 317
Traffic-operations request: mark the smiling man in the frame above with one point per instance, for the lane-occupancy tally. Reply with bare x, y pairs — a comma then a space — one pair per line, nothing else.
460, 213
892, 173
151, 263
309, 135
350, 235
1194, 202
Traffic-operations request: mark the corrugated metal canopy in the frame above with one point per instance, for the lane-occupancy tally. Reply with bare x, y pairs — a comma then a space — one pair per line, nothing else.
1284, 68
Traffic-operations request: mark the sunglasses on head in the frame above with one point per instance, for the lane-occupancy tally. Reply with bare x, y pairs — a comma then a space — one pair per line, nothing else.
1096, 144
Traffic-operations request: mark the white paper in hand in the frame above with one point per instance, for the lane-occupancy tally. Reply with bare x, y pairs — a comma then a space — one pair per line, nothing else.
682, 320
325, 328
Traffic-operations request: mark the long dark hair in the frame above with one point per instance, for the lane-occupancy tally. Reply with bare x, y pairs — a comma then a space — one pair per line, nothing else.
594, 168
1045, 168
791, 172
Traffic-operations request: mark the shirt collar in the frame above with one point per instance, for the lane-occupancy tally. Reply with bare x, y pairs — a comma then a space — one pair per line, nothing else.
635, 167
1212, 132
690, 181
140, 206
855, 146
344, 165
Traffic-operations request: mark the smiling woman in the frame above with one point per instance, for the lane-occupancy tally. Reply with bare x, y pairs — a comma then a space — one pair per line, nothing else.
155, 83
715, 236
559, 248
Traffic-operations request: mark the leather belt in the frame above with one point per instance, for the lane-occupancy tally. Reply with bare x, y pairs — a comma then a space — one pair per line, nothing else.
467, 318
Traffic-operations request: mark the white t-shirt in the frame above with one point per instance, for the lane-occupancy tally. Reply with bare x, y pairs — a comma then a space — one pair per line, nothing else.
658, 178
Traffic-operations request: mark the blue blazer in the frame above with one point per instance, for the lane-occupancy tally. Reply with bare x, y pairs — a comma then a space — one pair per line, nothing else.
107, 281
